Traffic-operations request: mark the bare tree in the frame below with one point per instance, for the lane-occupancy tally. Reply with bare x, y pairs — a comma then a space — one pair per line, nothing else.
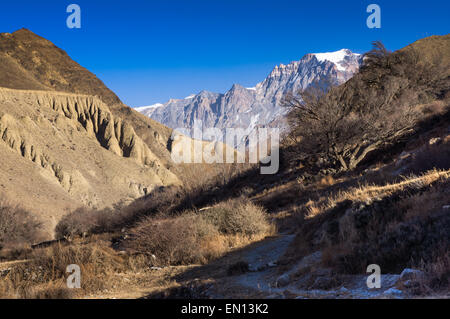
342, 125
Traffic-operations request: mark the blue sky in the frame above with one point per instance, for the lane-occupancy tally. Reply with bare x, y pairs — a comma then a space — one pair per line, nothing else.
150, 51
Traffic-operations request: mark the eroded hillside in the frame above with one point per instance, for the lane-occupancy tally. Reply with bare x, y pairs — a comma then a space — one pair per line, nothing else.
30, 62
61, 151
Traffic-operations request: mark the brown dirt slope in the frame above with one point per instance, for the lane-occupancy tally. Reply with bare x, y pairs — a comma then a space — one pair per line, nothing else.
60, 151
30, 62
46, 67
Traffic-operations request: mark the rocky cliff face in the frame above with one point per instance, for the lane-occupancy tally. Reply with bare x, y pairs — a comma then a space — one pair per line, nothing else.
258, 106
30, 62
61, 151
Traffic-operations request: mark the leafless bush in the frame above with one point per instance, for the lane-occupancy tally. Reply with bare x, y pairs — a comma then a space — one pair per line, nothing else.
238, 217
78, 223
173, 240
432, 156
49, 291
18, 226
196, 237
44, 275
84, 221
169, 200
438, 273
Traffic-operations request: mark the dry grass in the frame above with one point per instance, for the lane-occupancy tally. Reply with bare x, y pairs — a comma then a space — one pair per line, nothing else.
327, 181
396, 225
44, 275
436, 155
198, 237
203, 189
438, 274
368, 193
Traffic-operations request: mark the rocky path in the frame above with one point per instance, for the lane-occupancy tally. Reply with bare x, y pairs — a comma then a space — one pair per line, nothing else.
265, 280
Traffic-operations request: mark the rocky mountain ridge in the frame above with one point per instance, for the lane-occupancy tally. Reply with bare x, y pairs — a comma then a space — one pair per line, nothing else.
258, 106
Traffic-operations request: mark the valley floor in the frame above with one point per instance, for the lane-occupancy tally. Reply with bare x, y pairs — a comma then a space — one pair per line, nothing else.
266, 278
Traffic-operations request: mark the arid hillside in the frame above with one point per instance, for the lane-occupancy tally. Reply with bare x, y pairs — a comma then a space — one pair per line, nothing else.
61, 151
30, 62
68, 141
363, 180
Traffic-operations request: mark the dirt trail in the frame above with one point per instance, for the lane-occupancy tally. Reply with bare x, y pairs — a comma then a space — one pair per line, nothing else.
262, 262
265, 280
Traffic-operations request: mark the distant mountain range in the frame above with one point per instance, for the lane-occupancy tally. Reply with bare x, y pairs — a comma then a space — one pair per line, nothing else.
260, 105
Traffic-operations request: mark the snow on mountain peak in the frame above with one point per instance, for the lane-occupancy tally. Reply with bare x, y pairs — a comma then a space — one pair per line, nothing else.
143, 108
337, 57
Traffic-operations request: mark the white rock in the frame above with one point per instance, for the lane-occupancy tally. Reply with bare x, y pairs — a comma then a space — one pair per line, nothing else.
410, 284
343, 290
252, 268
409, 273
434, 140
155, 268
283, 280
393, 292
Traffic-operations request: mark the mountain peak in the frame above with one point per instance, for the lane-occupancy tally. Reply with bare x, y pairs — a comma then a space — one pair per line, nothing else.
27, 35
339, 58
237, 87
23, 30
29, 61
259, 105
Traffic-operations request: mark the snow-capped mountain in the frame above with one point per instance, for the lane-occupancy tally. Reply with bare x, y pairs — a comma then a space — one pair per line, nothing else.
258, 106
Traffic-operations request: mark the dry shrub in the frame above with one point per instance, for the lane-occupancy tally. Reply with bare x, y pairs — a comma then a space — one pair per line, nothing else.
238, 217
173, 241
438, 273
398, 232
421, 204
201, 189
84, 221
436, 156
436, 107
78, 222
327, 181
44, 276
193, 237
52, 290
396, 225
312, 209
18, 226
368, 193
95, 260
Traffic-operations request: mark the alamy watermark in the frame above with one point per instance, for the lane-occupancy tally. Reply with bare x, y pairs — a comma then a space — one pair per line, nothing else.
74, 279
231, 145
74, 19
374, 19
374, 280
